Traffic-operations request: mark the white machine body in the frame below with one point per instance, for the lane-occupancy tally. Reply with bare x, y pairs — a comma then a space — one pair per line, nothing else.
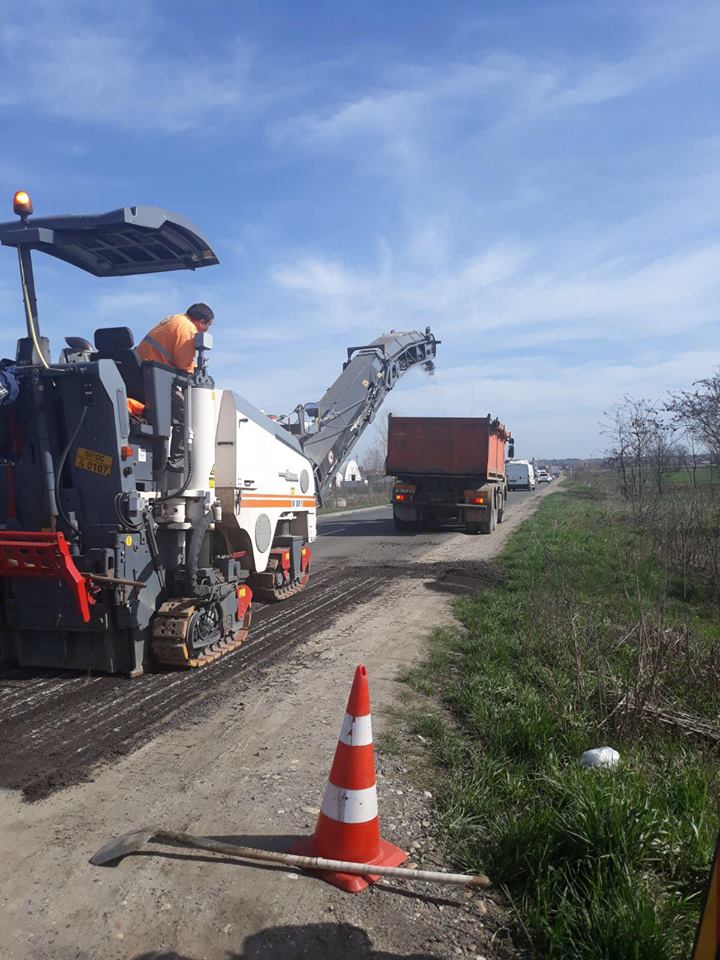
253, 469
203, 403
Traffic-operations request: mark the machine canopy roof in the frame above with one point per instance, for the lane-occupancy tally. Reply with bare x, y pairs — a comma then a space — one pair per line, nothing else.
127, 241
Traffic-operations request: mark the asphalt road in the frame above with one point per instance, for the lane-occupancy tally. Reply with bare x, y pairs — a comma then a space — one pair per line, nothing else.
368, 535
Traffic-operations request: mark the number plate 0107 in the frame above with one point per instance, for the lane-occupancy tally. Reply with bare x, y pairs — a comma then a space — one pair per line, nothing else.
99, 463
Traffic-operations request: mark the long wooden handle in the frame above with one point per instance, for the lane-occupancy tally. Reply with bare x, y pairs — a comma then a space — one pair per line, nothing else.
317, 863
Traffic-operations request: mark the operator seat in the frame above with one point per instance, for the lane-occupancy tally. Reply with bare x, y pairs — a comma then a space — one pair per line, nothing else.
116, 343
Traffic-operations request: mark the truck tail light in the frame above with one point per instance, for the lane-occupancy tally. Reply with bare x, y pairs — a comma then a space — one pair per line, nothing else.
477, 498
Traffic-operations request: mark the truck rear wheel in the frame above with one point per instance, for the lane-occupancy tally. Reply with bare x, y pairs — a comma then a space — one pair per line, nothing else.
489, 523
403, 526
472, 527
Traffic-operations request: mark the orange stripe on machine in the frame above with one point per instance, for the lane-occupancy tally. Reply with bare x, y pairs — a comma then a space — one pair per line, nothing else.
271, 500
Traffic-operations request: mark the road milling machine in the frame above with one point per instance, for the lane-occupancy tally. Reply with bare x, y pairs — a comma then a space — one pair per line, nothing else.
110, 561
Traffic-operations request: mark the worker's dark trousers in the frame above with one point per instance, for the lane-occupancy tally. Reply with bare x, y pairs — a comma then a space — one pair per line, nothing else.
177, 412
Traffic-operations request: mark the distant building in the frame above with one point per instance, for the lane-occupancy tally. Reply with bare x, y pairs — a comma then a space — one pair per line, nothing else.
349, 473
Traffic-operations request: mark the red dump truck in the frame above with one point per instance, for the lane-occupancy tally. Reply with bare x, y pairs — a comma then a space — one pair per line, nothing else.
448, 469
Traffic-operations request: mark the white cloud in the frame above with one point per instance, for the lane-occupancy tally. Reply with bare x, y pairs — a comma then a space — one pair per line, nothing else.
553, 409
396, 124
112, 73
318, 278
508, 286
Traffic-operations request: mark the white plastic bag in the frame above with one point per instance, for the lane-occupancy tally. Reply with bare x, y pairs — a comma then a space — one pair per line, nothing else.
600, 757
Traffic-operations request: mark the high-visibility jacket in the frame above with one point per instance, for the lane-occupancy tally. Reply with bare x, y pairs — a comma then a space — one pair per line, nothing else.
172, 341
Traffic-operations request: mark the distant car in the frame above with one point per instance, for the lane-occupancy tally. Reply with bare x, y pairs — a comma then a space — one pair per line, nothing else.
520, 475
544, 477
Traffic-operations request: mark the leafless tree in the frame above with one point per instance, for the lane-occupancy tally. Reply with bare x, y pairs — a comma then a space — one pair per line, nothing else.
640, 448
373, 461
697, 412
666, 458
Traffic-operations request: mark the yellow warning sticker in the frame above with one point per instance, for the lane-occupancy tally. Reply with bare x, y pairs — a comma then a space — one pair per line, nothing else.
99, 463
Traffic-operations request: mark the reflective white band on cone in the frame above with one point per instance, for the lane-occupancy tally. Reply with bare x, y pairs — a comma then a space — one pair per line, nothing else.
356, 731
350, 806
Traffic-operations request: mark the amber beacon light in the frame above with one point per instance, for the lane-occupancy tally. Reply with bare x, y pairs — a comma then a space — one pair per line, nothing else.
22, 204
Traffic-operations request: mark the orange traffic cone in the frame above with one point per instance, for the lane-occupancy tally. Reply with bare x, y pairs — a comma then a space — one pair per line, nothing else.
348, 827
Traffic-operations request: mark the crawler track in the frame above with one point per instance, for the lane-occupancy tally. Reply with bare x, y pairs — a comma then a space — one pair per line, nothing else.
56, 727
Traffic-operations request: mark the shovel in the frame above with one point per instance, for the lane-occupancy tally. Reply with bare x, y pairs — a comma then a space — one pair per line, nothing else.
138, 839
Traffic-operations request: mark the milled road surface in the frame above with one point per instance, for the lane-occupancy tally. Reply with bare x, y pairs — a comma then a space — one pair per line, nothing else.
240, 750
56, 726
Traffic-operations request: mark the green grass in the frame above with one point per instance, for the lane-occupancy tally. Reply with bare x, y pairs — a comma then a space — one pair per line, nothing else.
702, 475
388, 744
602, 864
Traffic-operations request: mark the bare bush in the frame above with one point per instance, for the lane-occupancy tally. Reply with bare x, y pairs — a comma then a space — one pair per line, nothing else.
373, 460
641, 449
697, 412
663, 458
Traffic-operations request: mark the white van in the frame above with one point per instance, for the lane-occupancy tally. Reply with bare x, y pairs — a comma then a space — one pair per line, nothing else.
520, 475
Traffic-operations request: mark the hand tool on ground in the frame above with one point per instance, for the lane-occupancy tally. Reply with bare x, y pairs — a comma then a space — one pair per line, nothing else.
136, 840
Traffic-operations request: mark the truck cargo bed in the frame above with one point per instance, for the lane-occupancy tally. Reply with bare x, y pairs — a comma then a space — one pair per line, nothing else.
446, 446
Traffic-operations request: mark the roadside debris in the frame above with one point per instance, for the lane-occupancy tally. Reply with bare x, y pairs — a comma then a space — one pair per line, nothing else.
600, 757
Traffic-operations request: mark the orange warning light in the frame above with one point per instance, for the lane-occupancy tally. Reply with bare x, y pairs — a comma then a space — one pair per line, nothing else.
22, 204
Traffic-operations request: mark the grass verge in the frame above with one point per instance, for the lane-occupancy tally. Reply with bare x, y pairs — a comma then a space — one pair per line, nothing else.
585, 634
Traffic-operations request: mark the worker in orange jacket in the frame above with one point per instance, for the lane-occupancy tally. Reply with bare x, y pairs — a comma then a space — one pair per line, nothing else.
172, 342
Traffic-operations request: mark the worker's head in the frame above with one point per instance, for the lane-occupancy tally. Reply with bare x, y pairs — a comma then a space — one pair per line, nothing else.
201, 315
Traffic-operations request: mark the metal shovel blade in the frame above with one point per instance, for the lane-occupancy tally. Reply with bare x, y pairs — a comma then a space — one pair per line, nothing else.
120, 847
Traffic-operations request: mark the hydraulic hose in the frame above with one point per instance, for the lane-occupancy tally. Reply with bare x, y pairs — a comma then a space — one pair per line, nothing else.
125, 523
192, 559
59, 473
154, 550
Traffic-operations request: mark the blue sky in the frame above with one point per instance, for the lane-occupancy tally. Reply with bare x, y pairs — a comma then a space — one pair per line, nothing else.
537, 181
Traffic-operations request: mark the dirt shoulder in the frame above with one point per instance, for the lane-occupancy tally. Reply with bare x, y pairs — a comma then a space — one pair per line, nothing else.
253, 769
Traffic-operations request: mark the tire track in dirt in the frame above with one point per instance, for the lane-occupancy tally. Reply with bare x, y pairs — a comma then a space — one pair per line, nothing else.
57, 727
